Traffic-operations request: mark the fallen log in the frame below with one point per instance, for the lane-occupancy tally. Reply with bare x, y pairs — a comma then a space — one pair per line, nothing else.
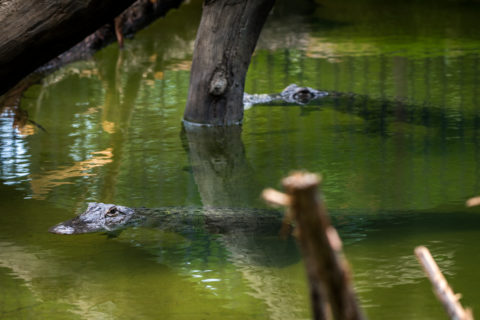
130, 21
331, 290
33, 32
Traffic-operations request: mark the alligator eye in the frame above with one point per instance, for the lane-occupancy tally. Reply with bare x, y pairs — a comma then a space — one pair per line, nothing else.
112, 212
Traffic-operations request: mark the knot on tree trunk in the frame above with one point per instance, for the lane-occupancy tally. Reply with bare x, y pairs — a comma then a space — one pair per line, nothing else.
218, 84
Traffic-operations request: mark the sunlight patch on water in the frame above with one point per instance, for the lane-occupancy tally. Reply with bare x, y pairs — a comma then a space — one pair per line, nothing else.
14, 155
42, 183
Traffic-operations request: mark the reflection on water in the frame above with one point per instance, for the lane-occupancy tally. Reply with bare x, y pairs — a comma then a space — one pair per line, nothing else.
398, 150
21, 124
42, 183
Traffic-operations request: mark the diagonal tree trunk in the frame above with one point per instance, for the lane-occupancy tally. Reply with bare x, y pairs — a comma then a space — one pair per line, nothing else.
133, 19
35, 31
226, 38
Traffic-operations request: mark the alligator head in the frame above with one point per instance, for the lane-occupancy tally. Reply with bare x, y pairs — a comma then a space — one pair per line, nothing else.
97, 217
301, 95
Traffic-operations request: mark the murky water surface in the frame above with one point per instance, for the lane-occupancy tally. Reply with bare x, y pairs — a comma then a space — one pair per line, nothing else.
398, 160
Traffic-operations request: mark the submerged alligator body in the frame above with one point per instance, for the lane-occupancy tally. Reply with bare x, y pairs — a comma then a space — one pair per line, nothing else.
100, 217
377, 112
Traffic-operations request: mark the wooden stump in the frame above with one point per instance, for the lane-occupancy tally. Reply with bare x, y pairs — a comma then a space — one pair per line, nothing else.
226, 38
331, 290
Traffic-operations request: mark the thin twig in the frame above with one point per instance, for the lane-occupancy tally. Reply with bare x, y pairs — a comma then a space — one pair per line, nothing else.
441, 288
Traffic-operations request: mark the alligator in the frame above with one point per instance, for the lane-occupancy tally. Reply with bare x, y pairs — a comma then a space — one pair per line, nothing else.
250, 236
101, 217
377, 111
292, 94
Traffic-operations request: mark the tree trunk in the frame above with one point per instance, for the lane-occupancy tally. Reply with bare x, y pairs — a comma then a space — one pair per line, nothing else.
133, 19
226, 38
33, 32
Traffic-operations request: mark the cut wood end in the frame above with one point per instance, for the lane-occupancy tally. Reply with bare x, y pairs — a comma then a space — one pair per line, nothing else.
421, 250
301, 180
275, 197
472, 202
426, 260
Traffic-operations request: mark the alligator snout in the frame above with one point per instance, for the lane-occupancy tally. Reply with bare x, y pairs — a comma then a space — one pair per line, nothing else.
97, 217
62, 229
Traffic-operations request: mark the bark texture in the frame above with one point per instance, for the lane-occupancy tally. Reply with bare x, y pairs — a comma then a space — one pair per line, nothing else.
226, 39
35, 31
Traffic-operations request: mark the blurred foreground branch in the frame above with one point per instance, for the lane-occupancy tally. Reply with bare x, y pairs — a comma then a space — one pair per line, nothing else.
331, 290
442, 290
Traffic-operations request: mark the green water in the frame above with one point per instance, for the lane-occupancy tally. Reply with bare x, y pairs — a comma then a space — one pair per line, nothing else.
398, 161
